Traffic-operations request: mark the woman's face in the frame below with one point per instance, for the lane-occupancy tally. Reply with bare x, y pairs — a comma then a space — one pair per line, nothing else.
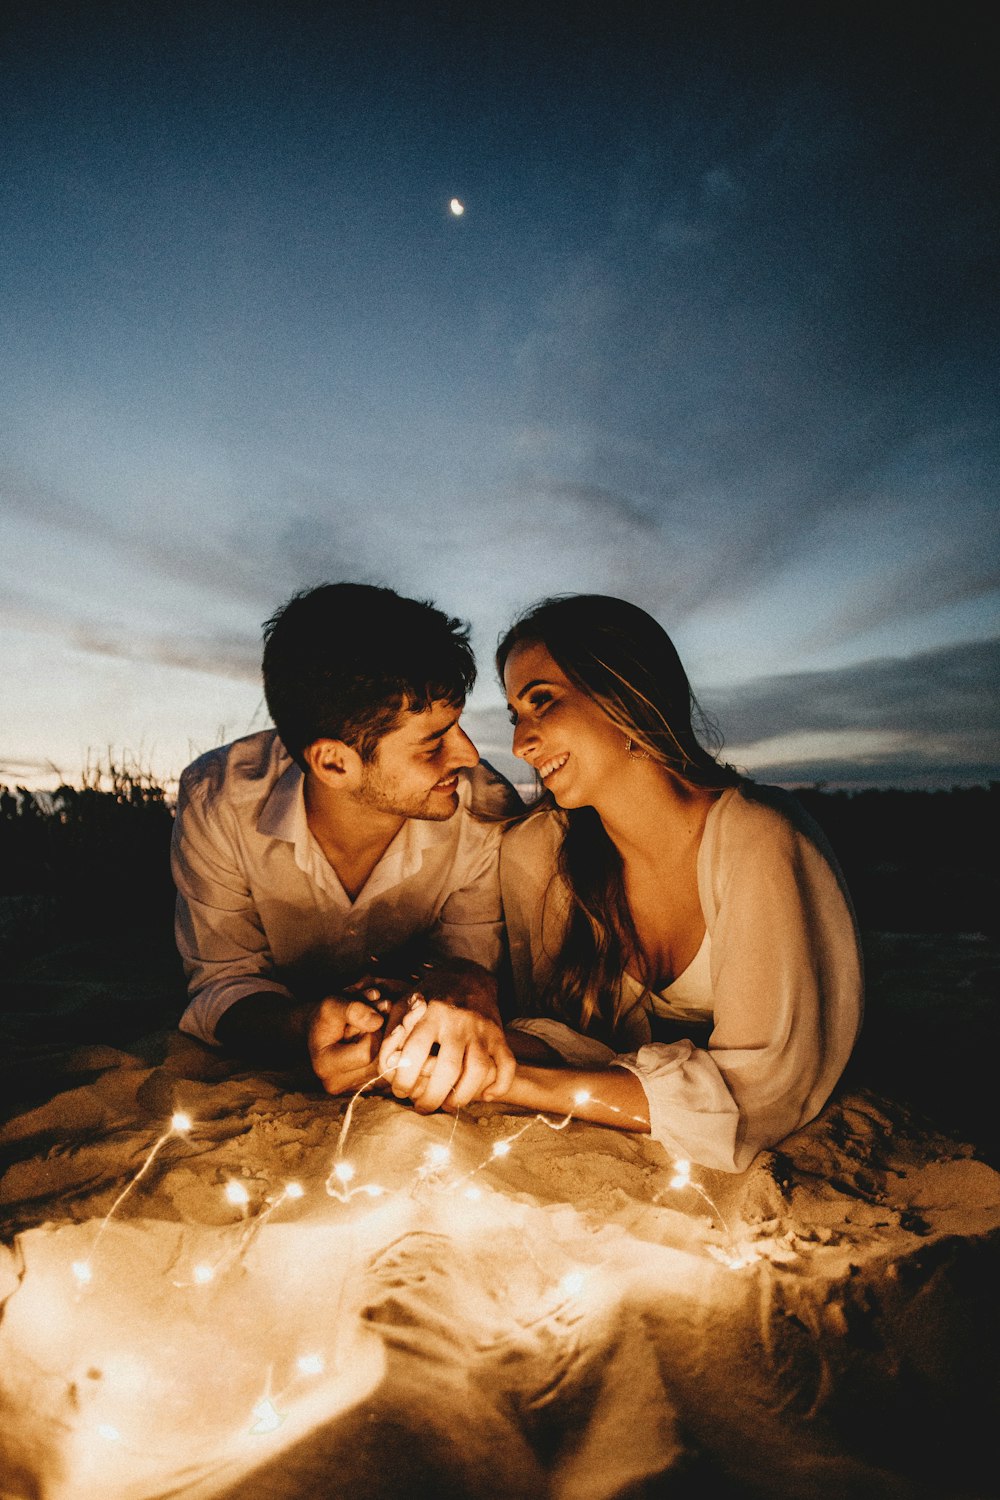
559, 730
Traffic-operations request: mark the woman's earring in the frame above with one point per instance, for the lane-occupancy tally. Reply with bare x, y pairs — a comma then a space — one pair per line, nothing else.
636, 752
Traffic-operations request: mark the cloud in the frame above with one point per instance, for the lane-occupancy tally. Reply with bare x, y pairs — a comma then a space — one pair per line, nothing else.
958, 568
906, 770
759, 361
934, 715
219, 653
232, 550
934, 692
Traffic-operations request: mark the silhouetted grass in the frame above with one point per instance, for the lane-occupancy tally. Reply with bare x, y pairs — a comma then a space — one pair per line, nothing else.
86, 909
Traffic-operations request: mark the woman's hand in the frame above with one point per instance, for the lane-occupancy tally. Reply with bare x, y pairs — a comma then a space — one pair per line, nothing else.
443, 1055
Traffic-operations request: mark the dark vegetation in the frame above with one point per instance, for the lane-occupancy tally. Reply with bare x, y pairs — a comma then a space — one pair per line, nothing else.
86, 945
916, 861
86, 912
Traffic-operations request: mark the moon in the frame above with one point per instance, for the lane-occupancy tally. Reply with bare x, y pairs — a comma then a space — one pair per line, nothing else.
457, 207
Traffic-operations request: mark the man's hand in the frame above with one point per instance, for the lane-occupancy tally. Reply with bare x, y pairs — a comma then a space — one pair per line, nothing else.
441, 1054
343, 1039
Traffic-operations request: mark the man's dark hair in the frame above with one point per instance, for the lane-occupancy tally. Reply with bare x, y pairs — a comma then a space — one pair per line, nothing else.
344, 660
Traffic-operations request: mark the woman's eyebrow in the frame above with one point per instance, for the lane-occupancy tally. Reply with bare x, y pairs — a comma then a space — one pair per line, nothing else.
535, 682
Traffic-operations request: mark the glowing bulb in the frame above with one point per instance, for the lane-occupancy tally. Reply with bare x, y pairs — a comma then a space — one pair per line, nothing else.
202, 1274
501, 1148
181, 1122
311, 1364
573, 1284
438, 1155
237, 1194
344, 1171
83, 1272
682, 1175
266, 1418
105, 1430
457, 207
294, 1190
582, 1096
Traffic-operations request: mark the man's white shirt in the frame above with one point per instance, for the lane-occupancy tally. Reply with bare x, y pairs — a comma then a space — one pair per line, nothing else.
260, 908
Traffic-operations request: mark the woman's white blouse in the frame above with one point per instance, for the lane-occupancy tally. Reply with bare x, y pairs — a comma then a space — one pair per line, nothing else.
778, 978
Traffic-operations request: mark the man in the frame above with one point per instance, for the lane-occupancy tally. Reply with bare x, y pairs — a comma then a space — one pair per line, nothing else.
321, 864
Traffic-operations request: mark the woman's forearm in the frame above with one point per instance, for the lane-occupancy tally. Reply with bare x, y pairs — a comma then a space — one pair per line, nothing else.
608, 1096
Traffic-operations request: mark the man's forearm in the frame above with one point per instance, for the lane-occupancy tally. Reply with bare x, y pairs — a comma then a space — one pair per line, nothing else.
267, 1027
464, 983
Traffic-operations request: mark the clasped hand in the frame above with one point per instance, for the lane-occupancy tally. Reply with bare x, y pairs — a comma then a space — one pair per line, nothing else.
436, 1053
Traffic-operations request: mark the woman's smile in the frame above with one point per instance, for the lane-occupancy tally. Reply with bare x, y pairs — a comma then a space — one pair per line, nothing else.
550, 767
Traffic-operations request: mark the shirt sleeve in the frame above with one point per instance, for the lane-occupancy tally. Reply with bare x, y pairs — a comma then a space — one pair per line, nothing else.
219, 934
787, 999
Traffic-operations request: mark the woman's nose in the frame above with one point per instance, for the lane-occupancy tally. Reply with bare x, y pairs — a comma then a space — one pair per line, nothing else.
525, 740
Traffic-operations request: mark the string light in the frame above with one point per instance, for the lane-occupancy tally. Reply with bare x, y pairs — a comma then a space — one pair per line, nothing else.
735, 1256
682, 1175
266, 1417
236, 1194
342, 1184
180, 1124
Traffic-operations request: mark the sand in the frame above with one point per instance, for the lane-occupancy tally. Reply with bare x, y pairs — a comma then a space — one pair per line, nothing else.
556, 1319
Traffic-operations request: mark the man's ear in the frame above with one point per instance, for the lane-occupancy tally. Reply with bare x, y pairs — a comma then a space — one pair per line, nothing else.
333, 763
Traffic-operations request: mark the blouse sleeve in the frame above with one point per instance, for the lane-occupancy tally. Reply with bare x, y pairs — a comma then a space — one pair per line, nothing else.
787, 993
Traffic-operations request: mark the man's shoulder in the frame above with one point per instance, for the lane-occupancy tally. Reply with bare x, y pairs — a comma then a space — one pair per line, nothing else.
487, 796
239, 774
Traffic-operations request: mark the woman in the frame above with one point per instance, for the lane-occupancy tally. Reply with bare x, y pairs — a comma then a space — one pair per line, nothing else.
658, 894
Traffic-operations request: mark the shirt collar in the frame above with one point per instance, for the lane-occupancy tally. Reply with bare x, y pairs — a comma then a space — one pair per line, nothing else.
283, 815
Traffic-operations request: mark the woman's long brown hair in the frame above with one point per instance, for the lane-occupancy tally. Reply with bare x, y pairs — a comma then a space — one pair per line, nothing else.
627, 664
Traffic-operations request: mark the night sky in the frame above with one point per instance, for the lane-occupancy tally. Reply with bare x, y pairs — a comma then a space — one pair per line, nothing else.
717, 332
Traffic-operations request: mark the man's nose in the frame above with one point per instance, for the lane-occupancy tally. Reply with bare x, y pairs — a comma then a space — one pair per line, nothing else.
463, 751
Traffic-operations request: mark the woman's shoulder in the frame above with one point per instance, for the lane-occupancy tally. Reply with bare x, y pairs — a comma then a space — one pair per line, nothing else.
534, 838
756, 817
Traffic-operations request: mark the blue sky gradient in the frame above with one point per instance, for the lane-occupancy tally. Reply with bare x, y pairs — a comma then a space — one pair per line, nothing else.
717, 332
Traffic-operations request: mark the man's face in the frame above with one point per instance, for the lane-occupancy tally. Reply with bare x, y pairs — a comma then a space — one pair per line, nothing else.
413, 774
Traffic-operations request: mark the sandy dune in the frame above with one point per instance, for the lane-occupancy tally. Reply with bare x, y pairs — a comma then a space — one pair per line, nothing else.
554, 1318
